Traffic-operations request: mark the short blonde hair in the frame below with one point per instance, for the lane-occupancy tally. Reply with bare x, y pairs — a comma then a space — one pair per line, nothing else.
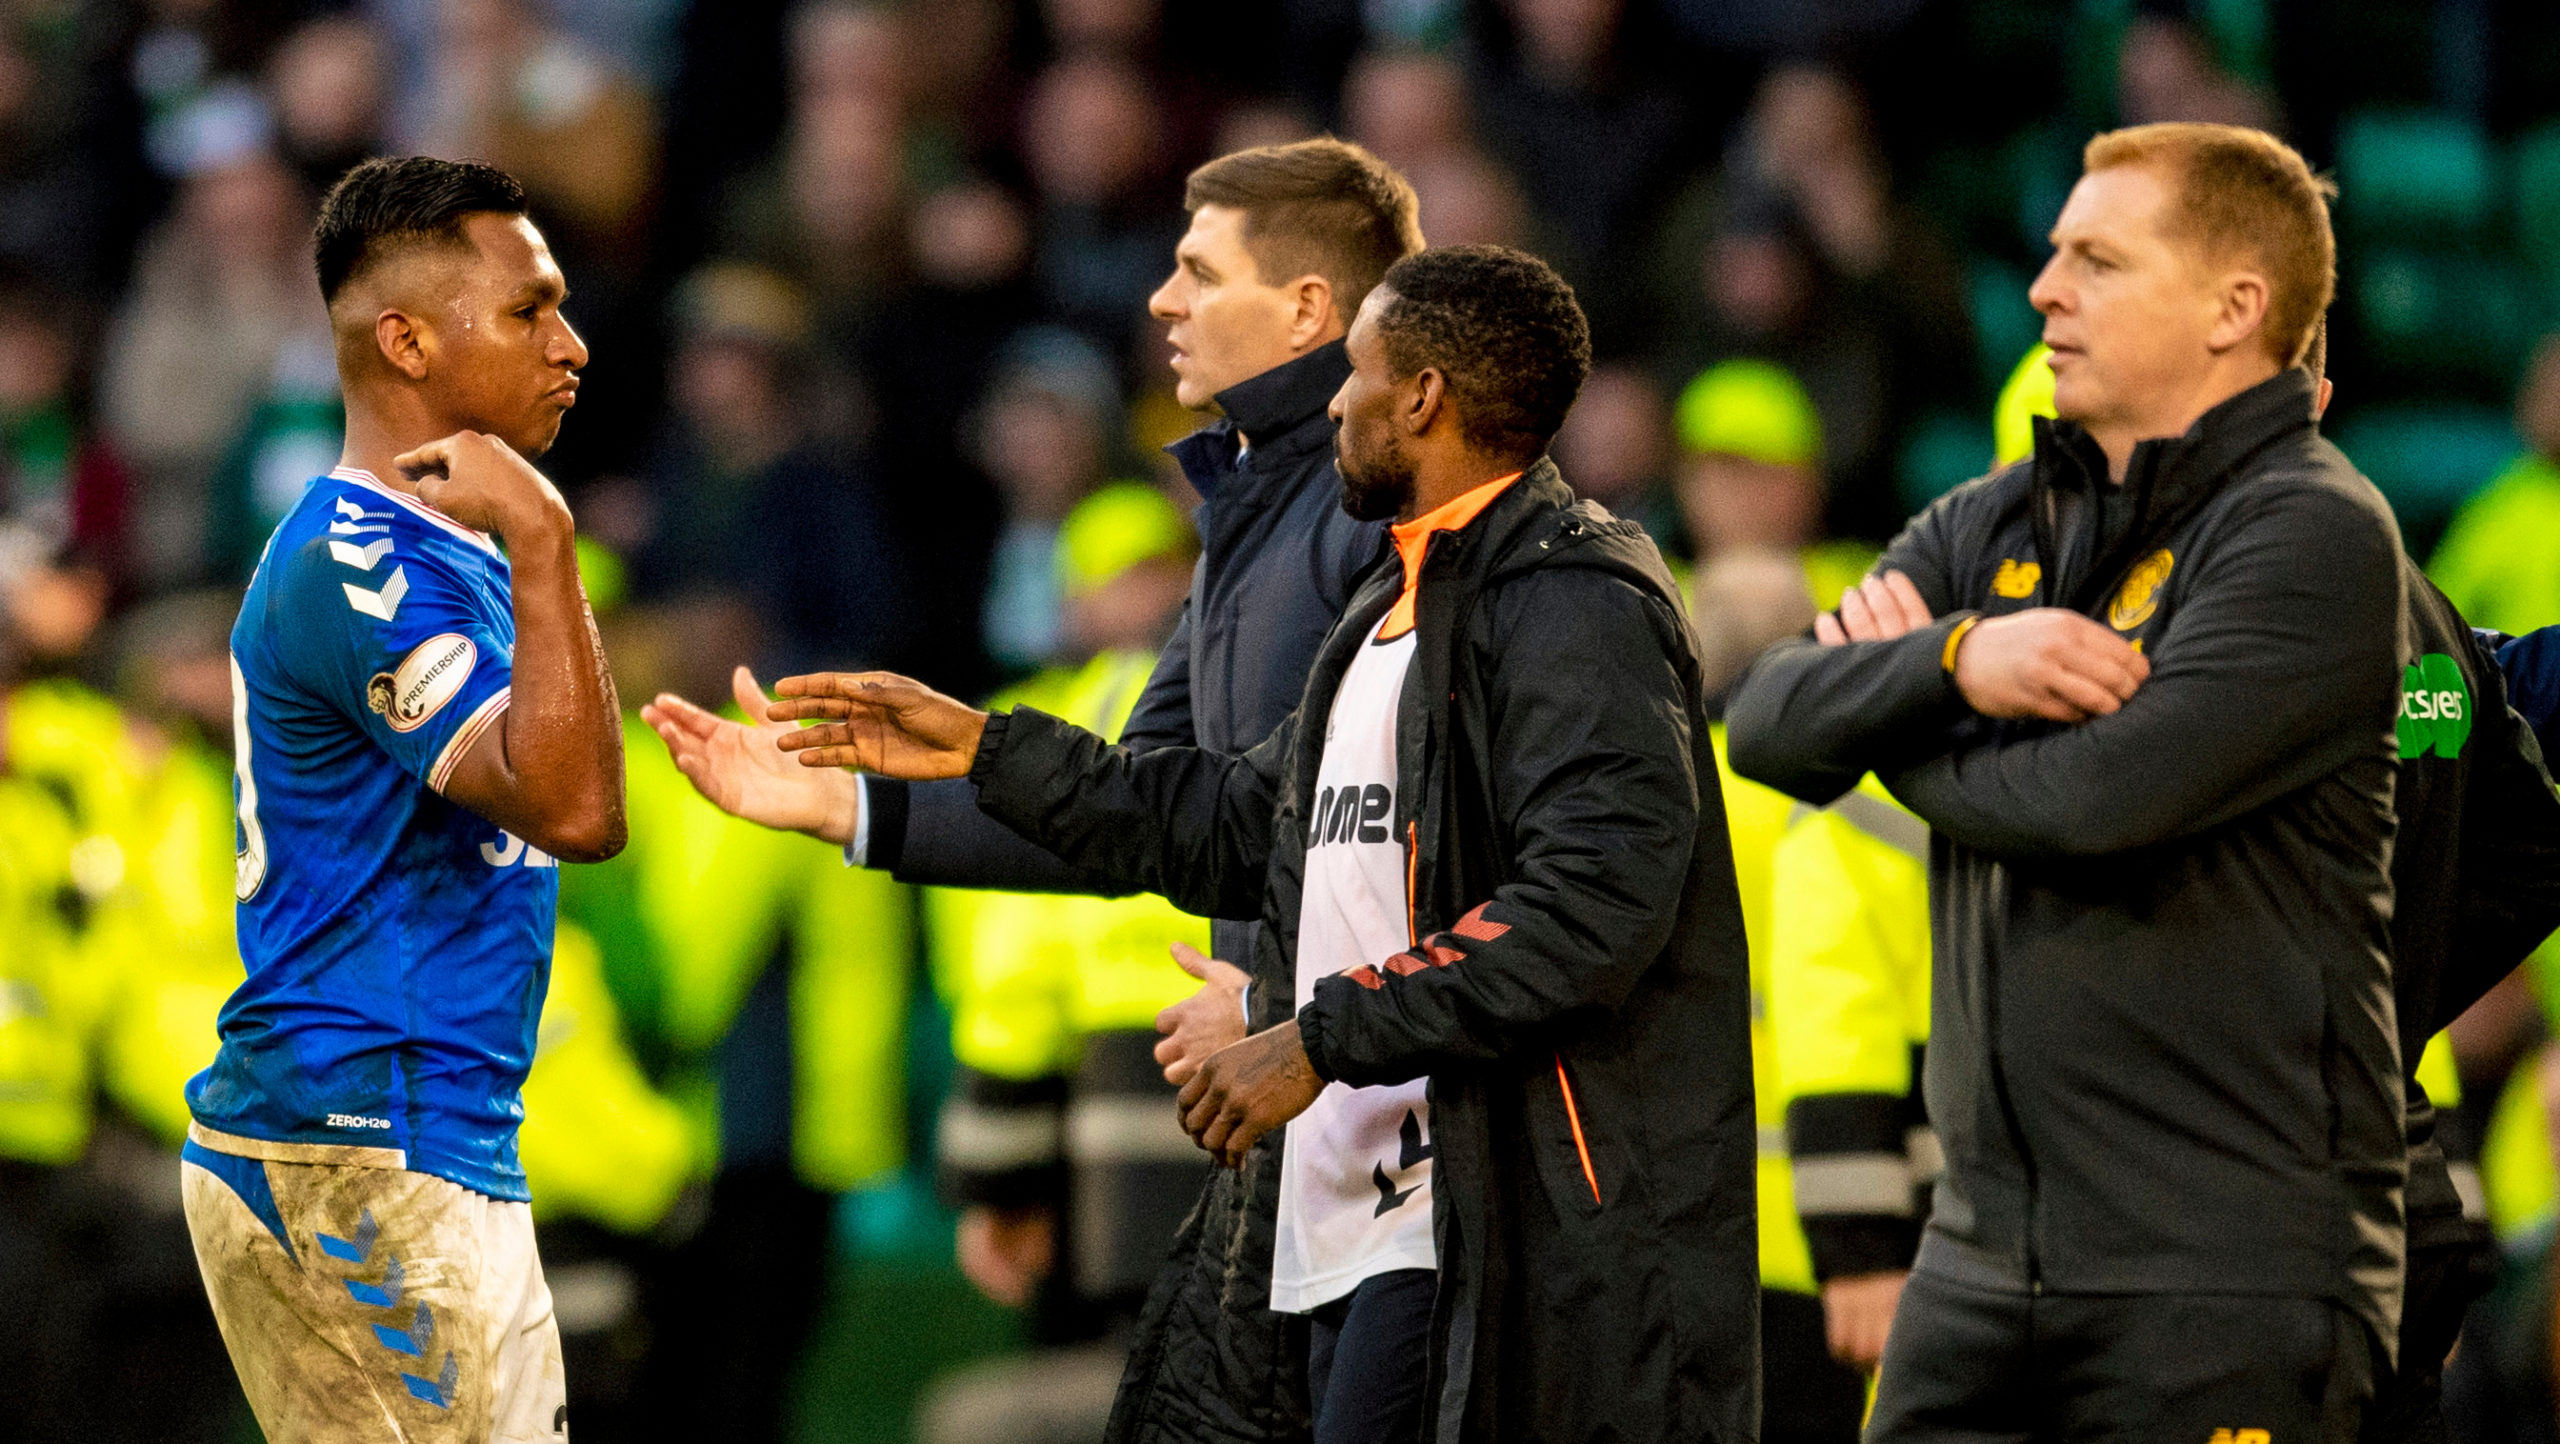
2244, 193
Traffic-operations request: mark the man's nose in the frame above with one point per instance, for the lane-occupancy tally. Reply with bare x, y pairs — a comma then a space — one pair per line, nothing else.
569, 350
2045, 292
1162, 305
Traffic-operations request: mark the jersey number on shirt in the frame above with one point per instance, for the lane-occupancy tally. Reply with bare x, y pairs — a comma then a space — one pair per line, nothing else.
249, 864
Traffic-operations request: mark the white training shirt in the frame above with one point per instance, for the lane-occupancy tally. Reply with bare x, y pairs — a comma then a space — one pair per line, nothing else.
1355, 1168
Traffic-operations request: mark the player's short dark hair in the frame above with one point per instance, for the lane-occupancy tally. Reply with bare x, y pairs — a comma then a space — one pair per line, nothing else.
391, 201
1323, 207
1503, 328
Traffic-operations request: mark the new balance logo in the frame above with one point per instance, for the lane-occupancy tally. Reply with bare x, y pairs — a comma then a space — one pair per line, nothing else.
384, 604
2241, 1436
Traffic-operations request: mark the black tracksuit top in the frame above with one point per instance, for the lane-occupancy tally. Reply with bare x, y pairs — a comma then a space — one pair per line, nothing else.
2163, 1053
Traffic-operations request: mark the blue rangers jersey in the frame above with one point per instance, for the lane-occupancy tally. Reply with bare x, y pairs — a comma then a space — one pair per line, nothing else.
397, 945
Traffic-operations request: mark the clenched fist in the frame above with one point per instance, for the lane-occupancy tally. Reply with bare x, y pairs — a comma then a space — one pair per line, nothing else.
482, 483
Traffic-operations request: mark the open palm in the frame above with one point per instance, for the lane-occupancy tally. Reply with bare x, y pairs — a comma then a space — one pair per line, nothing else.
742, 769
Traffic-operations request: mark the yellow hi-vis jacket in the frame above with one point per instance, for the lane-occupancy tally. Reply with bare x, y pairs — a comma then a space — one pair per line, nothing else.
1757, 818
1849, 1011
1031, 979
688, 917
115, 906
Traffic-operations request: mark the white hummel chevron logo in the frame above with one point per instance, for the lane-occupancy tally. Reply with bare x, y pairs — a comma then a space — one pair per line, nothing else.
362, 558
358, 520
383, 604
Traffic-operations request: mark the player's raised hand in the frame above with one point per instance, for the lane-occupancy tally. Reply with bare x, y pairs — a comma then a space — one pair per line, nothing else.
743, 770
879, 722
2048, 663
482, 483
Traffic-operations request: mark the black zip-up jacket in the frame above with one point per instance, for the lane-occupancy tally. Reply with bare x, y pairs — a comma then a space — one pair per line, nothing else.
2475, 869
1277, 562
2163, 1054
1578, 995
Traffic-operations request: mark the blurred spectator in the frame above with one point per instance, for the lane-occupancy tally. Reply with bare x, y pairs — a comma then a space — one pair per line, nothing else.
1889, 292
1091, 139
330, 89
1616, 446
62, 487
962, 79
223, 299
741, 494
1249, 124
1044, 435
1572, 109
2500, 559
1408, 106
827, 210
2166, 71
1467, 200
1750, 473
55, 201
508, 89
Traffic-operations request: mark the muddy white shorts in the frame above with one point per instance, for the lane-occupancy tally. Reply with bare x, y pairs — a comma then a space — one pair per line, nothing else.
363, 1302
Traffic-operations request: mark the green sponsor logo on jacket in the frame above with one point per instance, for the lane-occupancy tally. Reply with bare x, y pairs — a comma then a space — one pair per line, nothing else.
2435, 708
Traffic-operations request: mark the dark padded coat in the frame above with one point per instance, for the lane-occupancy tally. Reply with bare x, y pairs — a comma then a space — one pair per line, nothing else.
1578, 996
2163, 1052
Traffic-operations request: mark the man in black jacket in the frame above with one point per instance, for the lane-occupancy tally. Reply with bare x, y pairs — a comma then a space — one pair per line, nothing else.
2151, 726
1487, 849
2475, 874
1283, 244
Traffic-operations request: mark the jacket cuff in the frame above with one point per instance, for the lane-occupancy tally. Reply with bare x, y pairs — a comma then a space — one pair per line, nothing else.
1846, 1245
1318, 1045
990, 743
884, 818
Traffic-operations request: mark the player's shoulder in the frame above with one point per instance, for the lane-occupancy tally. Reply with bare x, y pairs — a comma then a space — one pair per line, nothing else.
351, 538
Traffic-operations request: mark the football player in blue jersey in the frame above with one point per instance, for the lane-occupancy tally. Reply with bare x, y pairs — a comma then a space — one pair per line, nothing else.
422, 725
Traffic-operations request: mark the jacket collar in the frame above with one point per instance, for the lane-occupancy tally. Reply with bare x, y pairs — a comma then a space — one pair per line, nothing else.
1276, 409
2188, 465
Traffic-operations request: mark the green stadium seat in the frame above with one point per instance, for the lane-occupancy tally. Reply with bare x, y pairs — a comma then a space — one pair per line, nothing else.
2426, 459
2004, 325
2415, 175
2439, 315
1940, 451
2537, 189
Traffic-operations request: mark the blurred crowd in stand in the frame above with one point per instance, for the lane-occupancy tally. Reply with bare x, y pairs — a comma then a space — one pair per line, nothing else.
874, 385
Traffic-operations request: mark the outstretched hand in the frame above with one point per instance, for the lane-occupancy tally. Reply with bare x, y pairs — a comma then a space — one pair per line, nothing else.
1205, 1022
741, 767
1245, 1090
878, 722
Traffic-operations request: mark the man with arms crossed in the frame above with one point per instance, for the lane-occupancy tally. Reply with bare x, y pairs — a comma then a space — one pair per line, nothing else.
422, 725
2150, 723
1283, 244
1487, 851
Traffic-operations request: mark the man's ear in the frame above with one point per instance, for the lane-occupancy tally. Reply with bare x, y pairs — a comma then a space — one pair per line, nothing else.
1312, 317
405, 342
1427, 401
2240, 313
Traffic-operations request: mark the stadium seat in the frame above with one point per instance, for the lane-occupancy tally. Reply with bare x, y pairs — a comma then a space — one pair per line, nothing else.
2415, 175
1940, 450
2441, 315
2426, 459
2537, 188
